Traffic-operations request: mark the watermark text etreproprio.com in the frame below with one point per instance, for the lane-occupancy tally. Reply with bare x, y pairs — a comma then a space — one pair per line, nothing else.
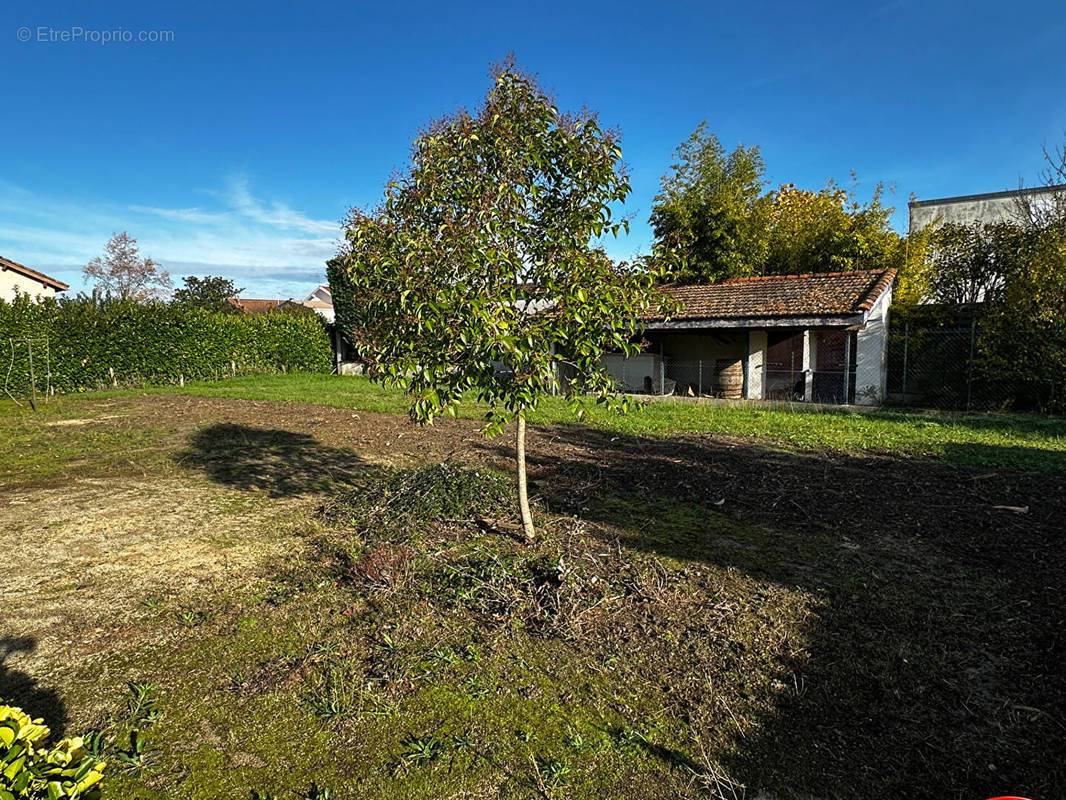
46, 34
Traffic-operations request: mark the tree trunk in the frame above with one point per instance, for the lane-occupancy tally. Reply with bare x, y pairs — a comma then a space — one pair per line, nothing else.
523, 494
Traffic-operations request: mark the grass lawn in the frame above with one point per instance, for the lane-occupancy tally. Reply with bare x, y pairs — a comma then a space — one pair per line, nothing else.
249, 594
1020, 441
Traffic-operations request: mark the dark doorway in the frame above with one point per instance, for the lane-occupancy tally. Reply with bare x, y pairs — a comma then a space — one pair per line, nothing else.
834, 349
785, 378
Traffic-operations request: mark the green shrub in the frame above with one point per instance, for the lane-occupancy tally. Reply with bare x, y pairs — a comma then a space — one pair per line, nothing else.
93, 343
30, 770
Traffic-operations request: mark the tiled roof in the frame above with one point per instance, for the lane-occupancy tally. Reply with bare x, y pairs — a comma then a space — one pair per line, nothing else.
253, 306
815, 295
7, 263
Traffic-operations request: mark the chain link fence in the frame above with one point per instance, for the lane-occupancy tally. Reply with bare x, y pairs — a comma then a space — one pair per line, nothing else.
965, 368
729, 379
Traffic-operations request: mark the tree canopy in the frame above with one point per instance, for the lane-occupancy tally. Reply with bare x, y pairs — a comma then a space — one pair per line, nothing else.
479, 273
828, 231
713, 216
711, 210
209, 292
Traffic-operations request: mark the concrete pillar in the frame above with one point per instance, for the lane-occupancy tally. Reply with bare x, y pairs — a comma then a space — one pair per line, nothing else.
755, 379
810, 344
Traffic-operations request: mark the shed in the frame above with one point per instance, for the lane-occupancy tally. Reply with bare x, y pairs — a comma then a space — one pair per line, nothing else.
819, 337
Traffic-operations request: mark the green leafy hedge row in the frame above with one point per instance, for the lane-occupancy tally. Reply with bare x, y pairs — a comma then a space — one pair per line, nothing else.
94, 343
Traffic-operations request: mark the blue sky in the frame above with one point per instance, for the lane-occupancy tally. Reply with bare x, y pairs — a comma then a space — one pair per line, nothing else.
237, 147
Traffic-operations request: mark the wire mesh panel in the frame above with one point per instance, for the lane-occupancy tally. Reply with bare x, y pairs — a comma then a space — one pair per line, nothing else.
29, 369
970, 369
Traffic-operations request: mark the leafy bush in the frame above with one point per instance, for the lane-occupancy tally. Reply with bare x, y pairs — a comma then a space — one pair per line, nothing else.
94, 343
30, 770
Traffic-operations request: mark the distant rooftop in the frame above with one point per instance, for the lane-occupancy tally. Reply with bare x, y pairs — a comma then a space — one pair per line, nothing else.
967, 198
14, 266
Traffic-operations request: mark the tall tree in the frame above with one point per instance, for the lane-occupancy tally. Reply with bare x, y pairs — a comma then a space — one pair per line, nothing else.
478, 273
710, 211
209, 292
829, 231
121, 272
973, 263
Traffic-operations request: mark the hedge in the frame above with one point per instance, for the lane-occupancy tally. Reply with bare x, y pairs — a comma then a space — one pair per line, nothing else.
94, 343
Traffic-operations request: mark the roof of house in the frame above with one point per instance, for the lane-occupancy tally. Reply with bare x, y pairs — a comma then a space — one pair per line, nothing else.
7, 263
966, 198
827, 297
250, 305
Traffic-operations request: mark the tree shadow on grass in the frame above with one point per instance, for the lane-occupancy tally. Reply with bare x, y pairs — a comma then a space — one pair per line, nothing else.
279, 462
23, 691
933, 663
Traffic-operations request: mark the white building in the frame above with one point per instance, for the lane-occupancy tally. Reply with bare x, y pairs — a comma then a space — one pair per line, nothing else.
991, 207
16, 279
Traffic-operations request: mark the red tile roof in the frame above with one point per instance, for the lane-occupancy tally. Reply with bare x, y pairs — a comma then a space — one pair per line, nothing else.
7, 263
814, 295
253, 306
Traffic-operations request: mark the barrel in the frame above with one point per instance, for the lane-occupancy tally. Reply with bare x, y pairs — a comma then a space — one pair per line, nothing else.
729, 382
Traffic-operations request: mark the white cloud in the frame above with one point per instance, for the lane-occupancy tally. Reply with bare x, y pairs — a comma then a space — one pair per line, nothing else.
243, 235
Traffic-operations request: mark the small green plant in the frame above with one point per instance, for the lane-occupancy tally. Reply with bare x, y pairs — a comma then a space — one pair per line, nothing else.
151, 602
420, 751
142, 711
317, 793
191, 619
136, 755
142, 705
30, 769
553, 773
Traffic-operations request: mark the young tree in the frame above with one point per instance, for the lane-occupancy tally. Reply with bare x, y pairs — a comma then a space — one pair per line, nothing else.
122, 273
478, 273
211, 293
710, 212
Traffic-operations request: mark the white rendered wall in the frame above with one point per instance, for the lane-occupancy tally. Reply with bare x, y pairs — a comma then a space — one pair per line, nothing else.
871, 352
12, 283
755, 387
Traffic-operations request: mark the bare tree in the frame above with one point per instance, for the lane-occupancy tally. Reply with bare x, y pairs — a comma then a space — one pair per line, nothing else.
1045, 206
121, 272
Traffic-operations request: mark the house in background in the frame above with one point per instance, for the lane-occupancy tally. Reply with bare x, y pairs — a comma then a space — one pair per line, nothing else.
818, 338
16, 279
320, 301
250, 305
990, 207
